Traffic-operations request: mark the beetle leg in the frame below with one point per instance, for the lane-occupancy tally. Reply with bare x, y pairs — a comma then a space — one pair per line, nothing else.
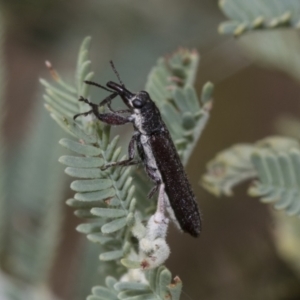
153, 190
112, 118
131, 154
108, 118
152, 174
161, 201
94, 106
108, 100
83, 114
122, 111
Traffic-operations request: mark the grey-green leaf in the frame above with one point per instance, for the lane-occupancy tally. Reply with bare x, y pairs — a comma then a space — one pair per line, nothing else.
114, 225
175, 288
78, 132
84, 204
90, 185
92, 196
87, 150
88, 228
81, 161
120, 286
111, 255
133, 295
103, 292
130, 264
84, 173
99, 238
207, 92
109, 212
258, 15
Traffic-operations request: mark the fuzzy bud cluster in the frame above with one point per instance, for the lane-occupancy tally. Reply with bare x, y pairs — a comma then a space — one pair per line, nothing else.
153, 248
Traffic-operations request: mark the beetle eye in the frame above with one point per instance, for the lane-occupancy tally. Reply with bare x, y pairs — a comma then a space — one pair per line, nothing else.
137, 103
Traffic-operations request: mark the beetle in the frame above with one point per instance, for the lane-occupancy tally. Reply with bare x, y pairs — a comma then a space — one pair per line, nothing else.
156, 150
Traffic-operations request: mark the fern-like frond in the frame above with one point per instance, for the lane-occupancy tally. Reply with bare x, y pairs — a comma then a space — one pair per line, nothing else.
106, 198
247, 15
62, 98
170, 84
157, 285
112, 189
229, 168
104, 195
273, 161
278, 179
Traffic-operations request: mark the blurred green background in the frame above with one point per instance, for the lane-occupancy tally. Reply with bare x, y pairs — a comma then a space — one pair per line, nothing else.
235, 257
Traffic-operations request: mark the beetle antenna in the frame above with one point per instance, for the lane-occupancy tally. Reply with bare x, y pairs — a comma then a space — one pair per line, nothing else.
98, 85
116, 72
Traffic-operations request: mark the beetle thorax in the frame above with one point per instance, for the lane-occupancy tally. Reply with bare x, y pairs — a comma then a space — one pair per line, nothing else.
147, 119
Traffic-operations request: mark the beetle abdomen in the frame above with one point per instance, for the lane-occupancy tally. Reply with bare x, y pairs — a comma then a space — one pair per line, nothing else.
177, 186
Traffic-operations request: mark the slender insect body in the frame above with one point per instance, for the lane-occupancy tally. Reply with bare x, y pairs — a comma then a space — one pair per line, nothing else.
157, 152
177, 186
153, 172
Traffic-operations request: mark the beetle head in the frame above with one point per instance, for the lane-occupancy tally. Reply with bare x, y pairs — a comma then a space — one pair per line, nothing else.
134, 101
